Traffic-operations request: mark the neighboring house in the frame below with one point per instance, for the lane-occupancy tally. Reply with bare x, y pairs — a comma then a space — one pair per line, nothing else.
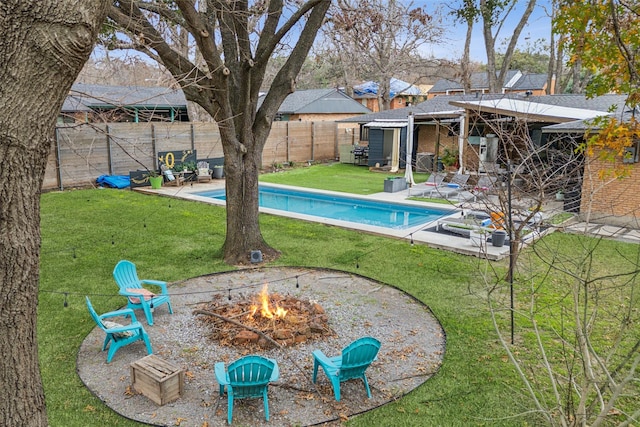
438, 120
402, 94
101, 103
318, 105
515, 82
384, 132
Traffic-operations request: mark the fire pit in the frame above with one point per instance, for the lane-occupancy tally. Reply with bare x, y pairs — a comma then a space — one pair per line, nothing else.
412, 350
264, 320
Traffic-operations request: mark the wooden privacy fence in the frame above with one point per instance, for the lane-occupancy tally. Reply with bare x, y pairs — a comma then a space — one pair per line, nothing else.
81, 153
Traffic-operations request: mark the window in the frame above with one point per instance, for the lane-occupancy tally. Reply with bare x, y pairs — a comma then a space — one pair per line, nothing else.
364, 133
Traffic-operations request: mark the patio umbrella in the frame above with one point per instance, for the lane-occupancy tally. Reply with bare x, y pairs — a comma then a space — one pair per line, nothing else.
408, 172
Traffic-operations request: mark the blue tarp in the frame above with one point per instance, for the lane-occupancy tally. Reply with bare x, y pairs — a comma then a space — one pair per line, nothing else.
396, 86
114, 181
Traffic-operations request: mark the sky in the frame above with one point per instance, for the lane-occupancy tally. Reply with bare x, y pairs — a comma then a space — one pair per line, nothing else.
539, 26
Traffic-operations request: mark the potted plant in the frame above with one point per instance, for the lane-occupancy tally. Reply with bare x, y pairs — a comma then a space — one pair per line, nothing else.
189, 166
449, 158
155, 179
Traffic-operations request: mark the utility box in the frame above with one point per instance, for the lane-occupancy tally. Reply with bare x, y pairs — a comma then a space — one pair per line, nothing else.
392, 185
346, 153
157, 379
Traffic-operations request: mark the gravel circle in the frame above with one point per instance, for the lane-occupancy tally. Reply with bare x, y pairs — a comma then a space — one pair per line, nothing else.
413, 345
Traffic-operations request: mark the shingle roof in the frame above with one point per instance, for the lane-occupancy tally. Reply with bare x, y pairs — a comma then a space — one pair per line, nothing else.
600, 103
442, 103
433, 105
319, 101
444, 85
73, 104
480, 81
581, 126
530, 81
102, 95
522, 107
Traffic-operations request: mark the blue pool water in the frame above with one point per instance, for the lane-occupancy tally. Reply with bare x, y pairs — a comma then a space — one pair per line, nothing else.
381, 214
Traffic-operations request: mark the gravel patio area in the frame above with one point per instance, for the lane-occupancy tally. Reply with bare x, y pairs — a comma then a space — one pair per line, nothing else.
413, 345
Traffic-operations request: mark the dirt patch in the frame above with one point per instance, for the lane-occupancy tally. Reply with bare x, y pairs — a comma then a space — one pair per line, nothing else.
412, 349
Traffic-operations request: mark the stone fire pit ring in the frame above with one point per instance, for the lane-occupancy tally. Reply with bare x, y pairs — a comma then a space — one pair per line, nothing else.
413, 345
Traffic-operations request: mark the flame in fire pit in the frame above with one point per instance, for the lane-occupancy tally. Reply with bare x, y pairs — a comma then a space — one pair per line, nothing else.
265, 307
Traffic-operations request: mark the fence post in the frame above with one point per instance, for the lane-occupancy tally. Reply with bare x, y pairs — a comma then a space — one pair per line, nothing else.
336, 141
109, 154
288, 140
193, 137
154, 152
313, 141
58, 165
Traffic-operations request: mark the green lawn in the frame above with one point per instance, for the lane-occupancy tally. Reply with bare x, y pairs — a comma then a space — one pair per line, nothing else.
336, 177
85, 233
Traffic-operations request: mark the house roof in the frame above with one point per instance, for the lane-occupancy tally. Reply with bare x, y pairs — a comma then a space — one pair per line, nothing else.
531, 110
434, 105
91, 95
320, 101
514, 80
530, 82
386, 124
581, 126
74, 104
608, 103
445, 106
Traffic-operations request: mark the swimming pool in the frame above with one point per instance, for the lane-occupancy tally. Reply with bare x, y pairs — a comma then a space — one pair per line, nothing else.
395, 216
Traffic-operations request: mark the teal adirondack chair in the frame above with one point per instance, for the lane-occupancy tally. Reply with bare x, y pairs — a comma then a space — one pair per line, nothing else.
119, 335
137, 297
247, 377
352, 363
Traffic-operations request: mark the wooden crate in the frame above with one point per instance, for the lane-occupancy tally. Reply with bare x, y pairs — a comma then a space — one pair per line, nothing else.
157, 379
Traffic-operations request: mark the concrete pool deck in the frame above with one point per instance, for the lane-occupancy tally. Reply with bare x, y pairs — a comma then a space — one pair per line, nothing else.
419, 233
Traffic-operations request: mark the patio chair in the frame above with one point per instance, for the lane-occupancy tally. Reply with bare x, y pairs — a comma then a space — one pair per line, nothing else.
204, 173
170, 178
139, 297
486, 185
352, 363
119, 335
434, 180
247, 378
458, 183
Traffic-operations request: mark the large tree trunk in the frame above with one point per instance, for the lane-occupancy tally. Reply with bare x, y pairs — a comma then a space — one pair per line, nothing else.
227, 85
43, 48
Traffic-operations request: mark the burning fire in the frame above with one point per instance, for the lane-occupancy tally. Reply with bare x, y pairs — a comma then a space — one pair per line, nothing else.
265, 309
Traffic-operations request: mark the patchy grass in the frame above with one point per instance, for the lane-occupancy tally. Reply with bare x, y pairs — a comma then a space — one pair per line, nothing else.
561, 217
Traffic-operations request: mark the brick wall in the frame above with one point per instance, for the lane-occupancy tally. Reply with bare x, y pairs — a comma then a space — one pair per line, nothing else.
610, 200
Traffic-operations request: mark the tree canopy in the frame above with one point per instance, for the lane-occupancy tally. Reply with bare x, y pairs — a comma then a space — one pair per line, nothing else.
604, 36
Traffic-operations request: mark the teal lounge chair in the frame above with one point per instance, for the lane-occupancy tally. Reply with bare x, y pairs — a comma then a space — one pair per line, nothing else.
247, 377
353, 363
119, 335
137, 296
